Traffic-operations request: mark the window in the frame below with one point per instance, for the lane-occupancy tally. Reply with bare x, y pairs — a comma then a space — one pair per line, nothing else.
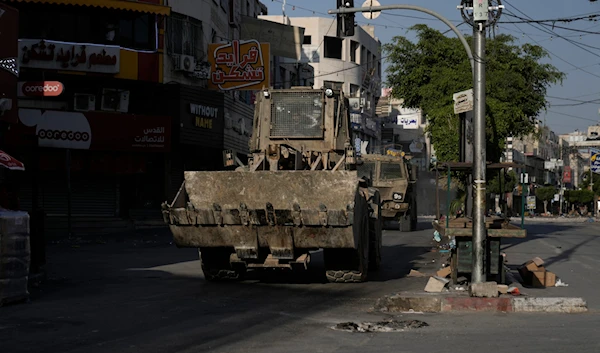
354, 91
391, 171
185, 36
88, 25
333, 48
135, 31
307, 40
333, 85
354, 50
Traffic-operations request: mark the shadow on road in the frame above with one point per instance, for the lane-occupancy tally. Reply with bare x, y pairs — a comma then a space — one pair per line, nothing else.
144, 294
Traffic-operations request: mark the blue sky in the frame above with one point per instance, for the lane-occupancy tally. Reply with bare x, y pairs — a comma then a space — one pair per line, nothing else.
574, 105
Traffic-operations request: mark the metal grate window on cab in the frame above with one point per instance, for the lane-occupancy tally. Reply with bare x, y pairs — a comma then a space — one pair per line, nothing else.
296, 114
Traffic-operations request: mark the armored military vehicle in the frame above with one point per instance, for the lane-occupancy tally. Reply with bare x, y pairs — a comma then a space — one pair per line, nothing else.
299, 192
395, 179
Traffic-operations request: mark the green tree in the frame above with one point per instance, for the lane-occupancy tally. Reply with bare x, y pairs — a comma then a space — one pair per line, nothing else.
545, 194
427, 73
507, 180
586, 183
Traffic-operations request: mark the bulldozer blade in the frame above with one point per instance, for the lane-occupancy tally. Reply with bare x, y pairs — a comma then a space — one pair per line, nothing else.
282, 210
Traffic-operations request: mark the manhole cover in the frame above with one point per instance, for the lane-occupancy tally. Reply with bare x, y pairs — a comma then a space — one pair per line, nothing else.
381, 326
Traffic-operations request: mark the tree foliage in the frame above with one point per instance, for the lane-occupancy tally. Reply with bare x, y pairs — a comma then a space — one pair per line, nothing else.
505, 182
427, 73
545, 193
579, 196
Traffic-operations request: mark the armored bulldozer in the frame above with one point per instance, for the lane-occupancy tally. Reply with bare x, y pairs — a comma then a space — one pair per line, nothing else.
299, 192
395, 179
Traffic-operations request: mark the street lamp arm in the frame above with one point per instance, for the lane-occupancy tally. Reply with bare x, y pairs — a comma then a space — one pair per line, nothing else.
413, 8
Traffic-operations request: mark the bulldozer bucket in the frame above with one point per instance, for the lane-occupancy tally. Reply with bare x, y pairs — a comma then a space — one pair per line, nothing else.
280, 210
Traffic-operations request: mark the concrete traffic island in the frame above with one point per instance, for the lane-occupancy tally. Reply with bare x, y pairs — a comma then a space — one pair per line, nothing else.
462, 302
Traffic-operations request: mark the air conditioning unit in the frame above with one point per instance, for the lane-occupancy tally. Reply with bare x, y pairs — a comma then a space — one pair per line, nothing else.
84, 102
185, 63
115, 100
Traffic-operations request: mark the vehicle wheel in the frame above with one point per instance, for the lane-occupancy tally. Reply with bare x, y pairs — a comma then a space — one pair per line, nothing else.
351, 265
375, 232
216, 266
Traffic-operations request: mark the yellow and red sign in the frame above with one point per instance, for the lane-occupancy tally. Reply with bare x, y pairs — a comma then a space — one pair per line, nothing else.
239, 65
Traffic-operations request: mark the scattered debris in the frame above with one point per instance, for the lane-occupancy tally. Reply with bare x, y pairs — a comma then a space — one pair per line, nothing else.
415, 273
533, 273
437, 236
444, 272
459, 288
560, 283
514, 291
436, 284
461, 279
381, 326
484, 290
502, 289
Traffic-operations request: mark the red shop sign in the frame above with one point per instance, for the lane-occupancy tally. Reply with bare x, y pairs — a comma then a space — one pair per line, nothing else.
41, 89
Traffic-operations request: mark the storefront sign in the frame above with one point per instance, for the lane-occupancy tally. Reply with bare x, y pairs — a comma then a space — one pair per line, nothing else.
203, 115
40, 89
53, 55
92, 130
9, 73
242, 64
567, 175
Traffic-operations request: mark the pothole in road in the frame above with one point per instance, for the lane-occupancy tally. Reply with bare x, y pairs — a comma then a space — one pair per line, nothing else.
381, 326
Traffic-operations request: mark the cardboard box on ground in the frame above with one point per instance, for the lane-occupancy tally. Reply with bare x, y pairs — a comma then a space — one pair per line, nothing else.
535, 274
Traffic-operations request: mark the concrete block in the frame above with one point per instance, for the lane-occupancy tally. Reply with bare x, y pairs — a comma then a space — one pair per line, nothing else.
502, 288
484, 290
550, 305
404, 303
457, 304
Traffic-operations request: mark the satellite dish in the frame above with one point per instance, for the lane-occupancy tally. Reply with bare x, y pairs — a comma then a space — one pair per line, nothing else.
371, 15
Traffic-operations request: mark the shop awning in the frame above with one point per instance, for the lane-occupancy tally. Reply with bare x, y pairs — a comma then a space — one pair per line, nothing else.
129, 5
8, 161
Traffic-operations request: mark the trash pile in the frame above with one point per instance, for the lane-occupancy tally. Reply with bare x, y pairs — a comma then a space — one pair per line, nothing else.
15, 256
534, 274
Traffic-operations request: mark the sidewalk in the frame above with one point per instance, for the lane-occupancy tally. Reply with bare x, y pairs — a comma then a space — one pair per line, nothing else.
568, 250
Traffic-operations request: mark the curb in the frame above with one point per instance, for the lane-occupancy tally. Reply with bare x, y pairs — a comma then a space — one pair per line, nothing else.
448, 303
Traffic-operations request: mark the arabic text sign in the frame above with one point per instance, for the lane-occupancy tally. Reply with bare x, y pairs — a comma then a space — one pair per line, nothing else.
463, 101
52, 55
410, 121
239, 65
595, 163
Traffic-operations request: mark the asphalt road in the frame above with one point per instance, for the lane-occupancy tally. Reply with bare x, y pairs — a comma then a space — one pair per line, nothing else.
141, 294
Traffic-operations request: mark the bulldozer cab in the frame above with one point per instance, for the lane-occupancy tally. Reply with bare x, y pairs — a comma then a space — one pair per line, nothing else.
301, 129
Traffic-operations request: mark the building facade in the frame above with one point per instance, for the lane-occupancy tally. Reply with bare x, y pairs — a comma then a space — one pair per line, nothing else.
208, 120
539, 152
114, 102
404, 129
93, 143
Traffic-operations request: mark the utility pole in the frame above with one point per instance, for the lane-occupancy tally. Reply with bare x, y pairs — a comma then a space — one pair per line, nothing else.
480, 15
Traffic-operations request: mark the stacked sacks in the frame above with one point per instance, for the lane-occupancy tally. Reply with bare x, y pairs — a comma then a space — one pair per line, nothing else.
15, 256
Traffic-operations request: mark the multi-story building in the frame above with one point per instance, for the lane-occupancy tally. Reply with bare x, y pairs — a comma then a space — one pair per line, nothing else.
352, 64
404, 129
534, 151
93, 138
115, 101
209, 119
575, 148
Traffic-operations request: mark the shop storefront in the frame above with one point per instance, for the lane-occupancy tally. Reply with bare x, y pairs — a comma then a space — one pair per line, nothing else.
101, 164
